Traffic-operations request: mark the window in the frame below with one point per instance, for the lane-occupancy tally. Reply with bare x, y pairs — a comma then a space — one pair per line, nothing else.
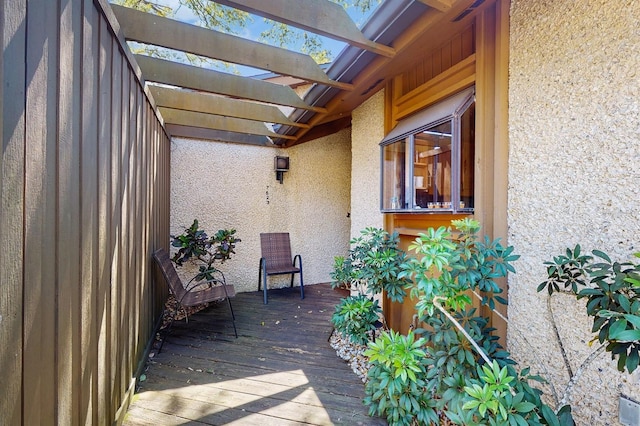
428, 159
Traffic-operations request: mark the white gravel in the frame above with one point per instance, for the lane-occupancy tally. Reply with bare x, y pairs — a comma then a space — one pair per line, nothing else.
352, 353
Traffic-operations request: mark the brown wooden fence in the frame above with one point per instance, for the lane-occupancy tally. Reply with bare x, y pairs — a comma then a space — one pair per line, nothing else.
84, 196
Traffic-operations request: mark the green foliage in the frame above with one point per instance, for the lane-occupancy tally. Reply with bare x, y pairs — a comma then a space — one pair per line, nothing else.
195, 245
373, 265
612, 290
452, 358
449, 266
396, 388
216, 16
356, 317
146, 6
491, 396
501, 396
340, 275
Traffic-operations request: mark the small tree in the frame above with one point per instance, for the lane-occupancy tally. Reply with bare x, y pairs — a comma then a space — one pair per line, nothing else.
195, 245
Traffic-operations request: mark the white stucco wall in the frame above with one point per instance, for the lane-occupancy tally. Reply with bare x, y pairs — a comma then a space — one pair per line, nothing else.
367, 130
234, 186
574, 123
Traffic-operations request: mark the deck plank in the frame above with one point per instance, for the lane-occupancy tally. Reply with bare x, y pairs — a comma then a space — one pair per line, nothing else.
280, 371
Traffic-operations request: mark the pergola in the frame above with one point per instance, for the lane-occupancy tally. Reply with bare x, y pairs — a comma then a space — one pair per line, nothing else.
201, 103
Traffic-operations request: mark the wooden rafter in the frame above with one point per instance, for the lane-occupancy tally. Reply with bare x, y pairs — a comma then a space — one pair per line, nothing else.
318, 16
181, 75
382, 67
218, 105
441, 5
143, 27
210, 121
177, 130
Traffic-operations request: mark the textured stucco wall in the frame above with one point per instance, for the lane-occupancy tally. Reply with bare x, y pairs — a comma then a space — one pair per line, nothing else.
367, 130
574, 131
234, 186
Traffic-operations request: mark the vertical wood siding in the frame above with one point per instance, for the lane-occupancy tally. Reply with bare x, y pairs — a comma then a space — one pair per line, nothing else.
477, 55
438, 60
84, 197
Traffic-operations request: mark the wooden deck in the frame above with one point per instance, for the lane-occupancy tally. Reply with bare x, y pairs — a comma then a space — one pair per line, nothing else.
280, 371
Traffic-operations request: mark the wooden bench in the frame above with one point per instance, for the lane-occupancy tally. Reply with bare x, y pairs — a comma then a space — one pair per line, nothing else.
195, 292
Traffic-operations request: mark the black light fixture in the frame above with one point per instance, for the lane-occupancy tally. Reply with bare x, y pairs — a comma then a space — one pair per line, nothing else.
281, 165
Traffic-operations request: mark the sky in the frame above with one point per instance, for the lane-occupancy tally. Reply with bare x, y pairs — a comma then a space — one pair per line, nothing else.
253, 30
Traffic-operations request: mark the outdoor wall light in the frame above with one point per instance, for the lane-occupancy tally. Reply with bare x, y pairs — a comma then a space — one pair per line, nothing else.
281, 165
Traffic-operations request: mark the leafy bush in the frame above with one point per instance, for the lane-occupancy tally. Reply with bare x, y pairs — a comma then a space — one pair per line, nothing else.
456, 374
195, 245
373, 265
456, 365
612, 290
396, 388
357, 317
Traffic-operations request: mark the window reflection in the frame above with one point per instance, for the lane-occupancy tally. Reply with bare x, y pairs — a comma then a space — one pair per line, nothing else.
428, 159
394, 176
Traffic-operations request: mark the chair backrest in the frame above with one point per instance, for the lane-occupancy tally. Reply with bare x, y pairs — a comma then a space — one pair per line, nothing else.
169, 271
276, 249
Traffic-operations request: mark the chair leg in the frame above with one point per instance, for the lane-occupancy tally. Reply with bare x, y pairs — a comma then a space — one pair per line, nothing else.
233, 318
264, 283
299, 258
301, 284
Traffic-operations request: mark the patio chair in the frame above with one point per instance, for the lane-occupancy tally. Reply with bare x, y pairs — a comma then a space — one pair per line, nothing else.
276, 260
195, 292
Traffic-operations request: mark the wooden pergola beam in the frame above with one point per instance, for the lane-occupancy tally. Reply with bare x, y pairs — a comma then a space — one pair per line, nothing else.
177, 130
317, 16
181, 75
218, 105
143, 27
217, 122
384, 67
441, 5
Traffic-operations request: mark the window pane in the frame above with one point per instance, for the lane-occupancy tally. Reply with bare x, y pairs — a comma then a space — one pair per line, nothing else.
432, 167
429, 159
467, 155
393, 172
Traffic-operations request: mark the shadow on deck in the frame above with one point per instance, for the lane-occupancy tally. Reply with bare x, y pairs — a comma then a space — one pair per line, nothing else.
280, 371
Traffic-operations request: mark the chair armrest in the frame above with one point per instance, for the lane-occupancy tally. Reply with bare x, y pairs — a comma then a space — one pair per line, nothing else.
192, 284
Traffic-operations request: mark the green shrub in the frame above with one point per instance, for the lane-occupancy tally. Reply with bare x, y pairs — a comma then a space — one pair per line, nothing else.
357, 317
373, 265
396, 388
195, 245
463, 370
612, 290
